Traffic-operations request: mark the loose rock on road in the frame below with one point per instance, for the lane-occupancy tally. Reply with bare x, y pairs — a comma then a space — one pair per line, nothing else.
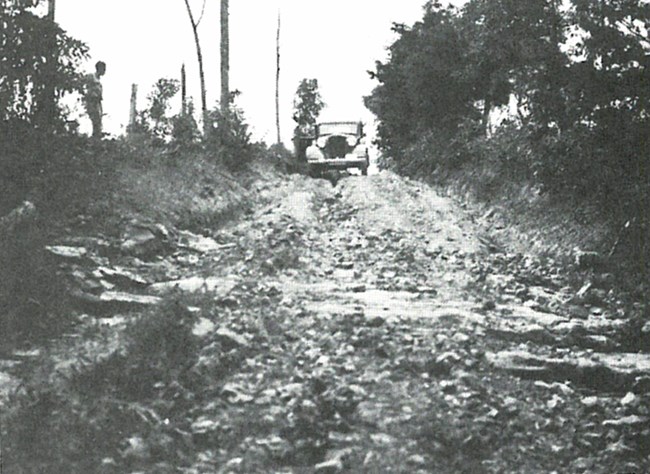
371, 326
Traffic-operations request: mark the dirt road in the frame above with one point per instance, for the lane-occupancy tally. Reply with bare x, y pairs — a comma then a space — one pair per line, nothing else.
370, 326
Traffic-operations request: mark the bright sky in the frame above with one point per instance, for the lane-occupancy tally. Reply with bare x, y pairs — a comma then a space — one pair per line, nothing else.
334, 41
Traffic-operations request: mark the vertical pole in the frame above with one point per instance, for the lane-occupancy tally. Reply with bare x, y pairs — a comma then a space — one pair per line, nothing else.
49, 93
183, 92
277, 81
133, 109
225, 58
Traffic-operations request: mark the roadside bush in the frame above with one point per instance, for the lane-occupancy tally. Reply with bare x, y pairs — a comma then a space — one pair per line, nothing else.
284, 160
185, 130
229, 139
73, 426
62, 176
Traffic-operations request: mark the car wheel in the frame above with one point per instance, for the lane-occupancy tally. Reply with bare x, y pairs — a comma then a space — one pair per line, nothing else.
364, 171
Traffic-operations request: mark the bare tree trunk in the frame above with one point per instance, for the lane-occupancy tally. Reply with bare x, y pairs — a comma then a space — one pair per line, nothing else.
225, 59
199, 56
48, 104
133, 108
277, 81
183, 92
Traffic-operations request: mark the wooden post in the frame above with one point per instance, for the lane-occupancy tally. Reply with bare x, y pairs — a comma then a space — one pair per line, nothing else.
133, 109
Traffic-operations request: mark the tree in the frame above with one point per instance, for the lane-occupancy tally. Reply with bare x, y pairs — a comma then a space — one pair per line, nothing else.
611, 75
199, 56
307, 105
225, 58
49, 94
277, 82
514, 48
155, 118
424, 85
31, 72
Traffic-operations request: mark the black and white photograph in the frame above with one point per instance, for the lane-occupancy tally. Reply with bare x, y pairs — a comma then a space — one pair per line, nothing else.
324, 237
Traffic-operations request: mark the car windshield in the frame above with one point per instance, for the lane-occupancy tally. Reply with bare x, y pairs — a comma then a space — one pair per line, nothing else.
338, 128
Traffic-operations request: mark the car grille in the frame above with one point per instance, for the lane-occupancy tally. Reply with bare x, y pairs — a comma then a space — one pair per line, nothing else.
337, 147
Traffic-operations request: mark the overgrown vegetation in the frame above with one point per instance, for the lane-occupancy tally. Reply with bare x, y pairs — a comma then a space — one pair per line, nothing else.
164, 170
307, 106
540, 91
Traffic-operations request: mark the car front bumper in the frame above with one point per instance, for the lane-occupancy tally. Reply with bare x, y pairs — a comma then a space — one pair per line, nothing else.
341, 163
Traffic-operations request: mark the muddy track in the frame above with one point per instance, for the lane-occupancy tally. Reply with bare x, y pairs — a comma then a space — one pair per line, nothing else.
371, 326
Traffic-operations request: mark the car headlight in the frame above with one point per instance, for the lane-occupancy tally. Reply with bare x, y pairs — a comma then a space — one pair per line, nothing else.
321, 142
313, 153
351, 140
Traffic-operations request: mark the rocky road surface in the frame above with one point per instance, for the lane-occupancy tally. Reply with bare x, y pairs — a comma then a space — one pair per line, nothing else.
371, 326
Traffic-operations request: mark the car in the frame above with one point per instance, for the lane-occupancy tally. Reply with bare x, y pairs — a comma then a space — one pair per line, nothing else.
337, 146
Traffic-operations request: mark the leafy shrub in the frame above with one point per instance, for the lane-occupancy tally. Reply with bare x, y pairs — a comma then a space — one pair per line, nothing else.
26, 78
284, 160
185, 131
229, 138
154, 121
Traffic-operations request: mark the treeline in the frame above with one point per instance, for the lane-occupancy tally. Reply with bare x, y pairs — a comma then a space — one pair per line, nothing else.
552, 92
40, 64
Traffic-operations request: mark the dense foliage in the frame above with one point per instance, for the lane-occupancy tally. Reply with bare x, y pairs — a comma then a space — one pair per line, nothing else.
542, 90
307, 105
28, 45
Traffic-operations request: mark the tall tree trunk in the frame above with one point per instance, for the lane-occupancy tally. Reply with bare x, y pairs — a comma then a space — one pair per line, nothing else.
133, 110
199, 56
48, 100
183, 92
277, 81
225, 59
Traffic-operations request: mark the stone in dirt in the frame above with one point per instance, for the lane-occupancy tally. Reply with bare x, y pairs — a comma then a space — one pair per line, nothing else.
203, 327
230, 339
110, 301
329, 467
417, 460
120, 276
64, 251
122, 297
615, 371
143, 239
586, 260
221, 286
198, 243
631, 420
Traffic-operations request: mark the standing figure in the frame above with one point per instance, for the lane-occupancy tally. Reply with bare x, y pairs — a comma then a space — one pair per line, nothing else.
93, 98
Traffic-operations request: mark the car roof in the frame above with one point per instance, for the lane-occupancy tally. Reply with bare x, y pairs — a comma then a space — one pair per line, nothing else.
345, 122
